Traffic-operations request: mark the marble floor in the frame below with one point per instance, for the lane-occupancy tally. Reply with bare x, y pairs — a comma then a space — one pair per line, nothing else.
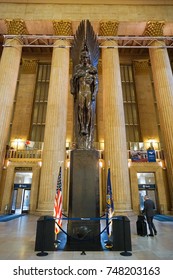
17, 242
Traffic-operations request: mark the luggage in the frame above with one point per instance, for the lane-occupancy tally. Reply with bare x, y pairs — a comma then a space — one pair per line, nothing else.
141, 226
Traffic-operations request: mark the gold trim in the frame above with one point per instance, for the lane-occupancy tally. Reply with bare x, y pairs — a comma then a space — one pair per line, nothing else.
16, 27
108, 28
62, 27
154, 28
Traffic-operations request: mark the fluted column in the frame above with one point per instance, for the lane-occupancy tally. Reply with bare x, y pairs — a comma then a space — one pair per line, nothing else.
56, 118
145, 101
114, 123
99, 111
24, 102
163, 83
70, 113
9, 67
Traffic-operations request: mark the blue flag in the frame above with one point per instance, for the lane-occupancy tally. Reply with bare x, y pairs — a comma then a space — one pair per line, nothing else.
109, 204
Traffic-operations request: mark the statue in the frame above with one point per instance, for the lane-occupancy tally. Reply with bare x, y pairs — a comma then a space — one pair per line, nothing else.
84, 88
84, 84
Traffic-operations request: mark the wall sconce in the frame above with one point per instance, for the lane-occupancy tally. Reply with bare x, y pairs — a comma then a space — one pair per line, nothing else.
162, 164
68, 164
152, 143
18, 144
7, 163
67, 145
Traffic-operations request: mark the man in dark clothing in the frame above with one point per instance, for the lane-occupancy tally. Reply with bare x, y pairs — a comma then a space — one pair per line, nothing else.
148, 210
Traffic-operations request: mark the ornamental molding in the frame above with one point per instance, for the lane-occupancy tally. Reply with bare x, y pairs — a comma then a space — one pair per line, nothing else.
141, 66
16, 27
108, 28
62, 27
154, 28
29, 66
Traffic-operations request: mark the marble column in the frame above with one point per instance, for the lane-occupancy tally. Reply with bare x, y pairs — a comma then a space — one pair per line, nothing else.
99, 111
114, 123
163, 83
56, 119
9, 68
145, 101
24, 102
100, 139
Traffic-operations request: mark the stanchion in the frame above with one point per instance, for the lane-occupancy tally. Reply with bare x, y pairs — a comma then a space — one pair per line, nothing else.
83, 253
43, 253
125, 253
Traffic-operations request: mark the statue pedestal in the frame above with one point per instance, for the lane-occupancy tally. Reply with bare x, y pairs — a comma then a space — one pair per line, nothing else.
84, 227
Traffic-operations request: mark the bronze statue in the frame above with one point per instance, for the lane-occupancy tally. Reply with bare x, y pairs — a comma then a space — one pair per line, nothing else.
84, 84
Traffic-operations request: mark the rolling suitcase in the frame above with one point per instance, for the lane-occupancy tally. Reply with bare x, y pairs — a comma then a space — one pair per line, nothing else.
141, 226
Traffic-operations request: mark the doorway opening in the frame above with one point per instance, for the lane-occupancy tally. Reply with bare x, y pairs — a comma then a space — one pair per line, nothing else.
21, 192
147, 186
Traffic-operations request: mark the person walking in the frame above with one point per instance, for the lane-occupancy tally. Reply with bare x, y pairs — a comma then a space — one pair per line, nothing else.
148, 210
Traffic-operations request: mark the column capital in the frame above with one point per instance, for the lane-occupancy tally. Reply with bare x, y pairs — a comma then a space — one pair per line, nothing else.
29, 66
141, 65
16, 27
108, 28
62, 27
154, 28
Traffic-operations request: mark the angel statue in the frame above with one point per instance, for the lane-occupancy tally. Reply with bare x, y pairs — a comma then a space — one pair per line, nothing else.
84, 84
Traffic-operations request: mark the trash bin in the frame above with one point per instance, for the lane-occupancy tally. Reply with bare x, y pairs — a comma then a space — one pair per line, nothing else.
45, 234
121, 233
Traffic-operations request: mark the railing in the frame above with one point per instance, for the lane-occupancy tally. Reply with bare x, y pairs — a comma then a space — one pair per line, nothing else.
158, 153
30, 149
24, 154
139, 149
18, 144
134, 146
24, 149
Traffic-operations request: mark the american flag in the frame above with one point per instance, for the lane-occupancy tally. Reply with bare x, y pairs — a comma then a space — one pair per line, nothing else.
58, 204
109, 204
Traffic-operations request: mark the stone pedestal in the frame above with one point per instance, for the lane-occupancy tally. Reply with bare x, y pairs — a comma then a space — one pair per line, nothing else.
84, 208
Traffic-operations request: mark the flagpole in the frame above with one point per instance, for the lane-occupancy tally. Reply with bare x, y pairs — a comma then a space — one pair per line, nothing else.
58, 205
109, 208
56, 235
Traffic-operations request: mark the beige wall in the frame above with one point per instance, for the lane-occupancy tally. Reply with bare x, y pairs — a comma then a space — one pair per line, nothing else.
50, 10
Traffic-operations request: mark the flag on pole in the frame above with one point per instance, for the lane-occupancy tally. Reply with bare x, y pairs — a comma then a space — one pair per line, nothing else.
109, 204
29, 144
58, 204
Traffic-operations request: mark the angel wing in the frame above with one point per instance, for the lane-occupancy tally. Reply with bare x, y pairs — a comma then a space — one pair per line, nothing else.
92, 44
78, 44
85, 37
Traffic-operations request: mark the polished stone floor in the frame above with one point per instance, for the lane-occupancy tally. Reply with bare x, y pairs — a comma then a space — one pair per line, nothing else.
17, 242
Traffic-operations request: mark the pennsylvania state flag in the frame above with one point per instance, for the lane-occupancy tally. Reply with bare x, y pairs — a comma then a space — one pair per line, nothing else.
109, 204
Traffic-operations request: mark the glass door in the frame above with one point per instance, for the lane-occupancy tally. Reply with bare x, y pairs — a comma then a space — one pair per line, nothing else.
147, 186
26, 200
21, 192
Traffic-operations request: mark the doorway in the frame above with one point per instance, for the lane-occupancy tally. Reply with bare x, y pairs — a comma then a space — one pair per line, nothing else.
21, 192
147, 186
